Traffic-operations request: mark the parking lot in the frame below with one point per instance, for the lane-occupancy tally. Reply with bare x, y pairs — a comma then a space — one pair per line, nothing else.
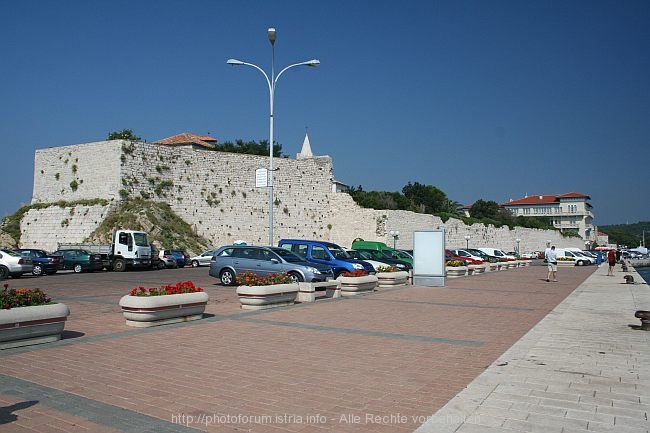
402, 351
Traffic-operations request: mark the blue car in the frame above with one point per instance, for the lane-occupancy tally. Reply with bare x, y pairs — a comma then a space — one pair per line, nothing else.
181, 258
326, 253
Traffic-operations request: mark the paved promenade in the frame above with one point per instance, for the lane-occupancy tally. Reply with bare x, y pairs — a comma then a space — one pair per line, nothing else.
580, 369
482, 354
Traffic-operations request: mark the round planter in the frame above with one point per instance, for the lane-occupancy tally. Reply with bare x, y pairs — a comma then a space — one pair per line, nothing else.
513, 264
145, 311
476, 269
491, 267
351, 286
391, 279
263, 297
25, 326
456, 271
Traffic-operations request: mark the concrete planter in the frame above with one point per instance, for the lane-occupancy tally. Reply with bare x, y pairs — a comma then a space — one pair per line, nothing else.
146, 311
476, 269
24, 326
502, 266
456, 271
391, 279
351, 286
263, 297
310, 291
492, 267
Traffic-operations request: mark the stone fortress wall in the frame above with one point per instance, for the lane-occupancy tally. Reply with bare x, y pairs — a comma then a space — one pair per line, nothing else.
215, 193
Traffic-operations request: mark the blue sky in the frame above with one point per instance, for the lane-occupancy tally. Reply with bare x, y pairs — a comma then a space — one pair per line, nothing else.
483, 99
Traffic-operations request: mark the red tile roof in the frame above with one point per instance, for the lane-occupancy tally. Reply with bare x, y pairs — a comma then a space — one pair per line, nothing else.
544, 199
187, 138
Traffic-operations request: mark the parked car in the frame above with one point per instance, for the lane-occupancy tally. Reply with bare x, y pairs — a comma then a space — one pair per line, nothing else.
379, 261
14, 264
80, 260
468, 255
529, 255
326, 253
449, 255
182, 259
43, 263
202, 259
232, 260
385, 250
484, 256
167, 259
156, 263
500, 254
373, 257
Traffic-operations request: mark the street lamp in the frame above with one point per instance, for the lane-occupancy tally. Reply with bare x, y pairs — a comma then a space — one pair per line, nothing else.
467, 241
395, 235
271, 83
518, 240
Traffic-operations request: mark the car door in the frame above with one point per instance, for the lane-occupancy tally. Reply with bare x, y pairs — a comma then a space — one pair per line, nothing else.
244, 260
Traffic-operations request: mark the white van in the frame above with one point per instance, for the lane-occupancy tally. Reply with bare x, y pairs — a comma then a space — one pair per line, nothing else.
581, 254
576, 255
499, 254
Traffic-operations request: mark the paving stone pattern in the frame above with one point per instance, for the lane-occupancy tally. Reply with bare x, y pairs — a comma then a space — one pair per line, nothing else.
384, 362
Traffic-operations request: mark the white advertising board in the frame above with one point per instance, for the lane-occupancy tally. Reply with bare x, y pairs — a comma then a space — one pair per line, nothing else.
429, 258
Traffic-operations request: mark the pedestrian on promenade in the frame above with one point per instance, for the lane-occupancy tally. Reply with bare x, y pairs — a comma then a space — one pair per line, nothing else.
551, 259
599, 258
611, 259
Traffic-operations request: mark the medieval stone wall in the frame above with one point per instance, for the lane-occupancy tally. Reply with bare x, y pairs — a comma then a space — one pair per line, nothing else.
215, 193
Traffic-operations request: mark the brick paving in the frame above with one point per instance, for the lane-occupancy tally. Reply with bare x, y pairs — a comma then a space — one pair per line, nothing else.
381, 362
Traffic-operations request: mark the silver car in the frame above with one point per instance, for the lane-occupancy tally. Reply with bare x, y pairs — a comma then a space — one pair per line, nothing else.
202, 260
231, 260
14, 264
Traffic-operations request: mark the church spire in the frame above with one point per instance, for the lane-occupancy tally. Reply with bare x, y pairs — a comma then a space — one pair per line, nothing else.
305, 152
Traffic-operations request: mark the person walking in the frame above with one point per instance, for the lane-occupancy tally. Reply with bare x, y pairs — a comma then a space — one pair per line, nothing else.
599, 258
611, 259
551, 259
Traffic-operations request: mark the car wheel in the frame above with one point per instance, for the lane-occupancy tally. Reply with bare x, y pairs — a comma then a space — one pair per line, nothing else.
119, 265
4, 273
37, 270
227, 277
77, 268
295, 277
161, 265
580, 263
195, 263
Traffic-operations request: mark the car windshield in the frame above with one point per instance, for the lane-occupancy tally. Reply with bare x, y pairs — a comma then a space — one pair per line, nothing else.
402, 254
338, 252
288, 255
355, 254
12, 253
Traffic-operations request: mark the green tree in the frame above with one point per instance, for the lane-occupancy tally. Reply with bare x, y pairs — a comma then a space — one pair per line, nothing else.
125, 134
424, 198
485, 209
250, 147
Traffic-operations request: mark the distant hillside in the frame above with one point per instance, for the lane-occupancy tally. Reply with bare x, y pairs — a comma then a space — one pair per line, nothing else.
630, 235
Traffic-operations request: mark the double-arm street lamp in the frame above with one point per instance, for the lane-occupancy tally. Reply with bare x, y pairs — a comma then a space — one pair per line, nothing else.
271, 81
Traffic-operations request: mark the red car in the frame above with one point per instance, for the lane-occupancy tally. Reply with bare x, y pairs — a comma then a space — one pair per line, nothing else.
451, 256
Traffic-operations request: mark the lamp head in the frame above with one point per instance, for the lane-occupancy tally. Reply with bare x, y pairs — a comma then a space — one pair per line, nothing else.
313, 63
234, 62
271, 34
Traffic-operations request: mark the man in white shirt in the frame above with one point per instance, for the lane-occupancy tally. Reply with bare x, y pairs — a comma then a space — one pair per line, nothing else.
551, 259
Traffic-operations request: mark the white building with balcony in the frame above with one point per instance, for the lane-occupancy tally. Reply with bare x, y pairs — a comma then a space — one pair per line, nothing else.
567, 212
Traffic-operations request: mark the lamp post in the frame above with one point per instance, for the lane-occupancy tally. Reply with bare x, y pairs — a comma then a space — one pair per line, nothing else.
518, 240
467, 241
271, 81
395, 235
